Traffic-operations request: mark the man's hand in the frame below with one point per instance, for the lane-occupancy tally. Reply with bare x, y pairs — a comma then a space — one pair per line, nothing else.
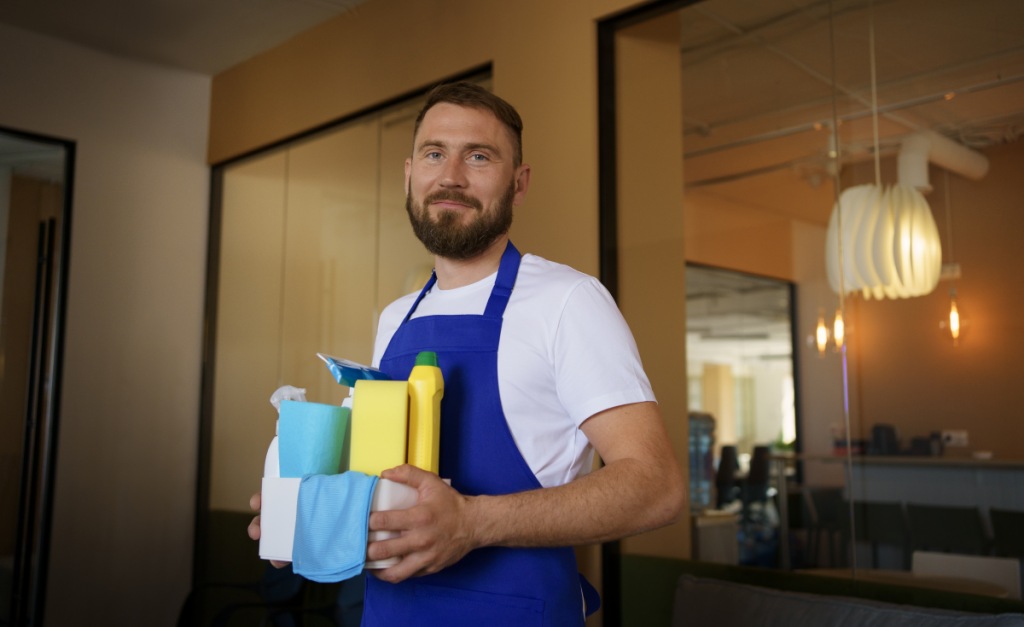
436, 533
254, 527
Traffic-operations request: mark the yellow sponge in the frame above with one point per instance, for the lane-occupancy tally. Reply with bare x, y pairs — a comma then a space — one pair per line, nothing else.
380, 418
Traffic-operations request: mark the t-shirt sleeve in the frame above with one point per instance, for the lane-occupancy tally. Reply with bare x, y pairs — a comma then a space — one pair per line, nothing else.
597, 364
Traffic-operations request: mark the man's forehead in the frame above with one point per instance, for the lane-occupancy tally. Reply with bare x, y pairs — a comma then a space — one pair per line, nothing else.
454, 124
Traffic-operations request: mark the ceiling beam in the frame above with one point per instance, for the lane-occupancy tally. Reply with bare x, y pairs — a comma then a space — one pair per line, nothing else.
797, 63
811, 15
801, 128
711, 126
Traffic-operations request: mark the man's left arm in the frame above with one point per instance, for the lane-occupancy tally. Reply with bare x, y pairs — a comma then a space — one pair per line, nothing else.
639, 488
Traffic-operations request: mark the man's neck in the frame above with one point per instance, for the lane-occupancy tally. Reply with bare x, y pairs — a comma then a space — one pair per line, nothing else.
455, 273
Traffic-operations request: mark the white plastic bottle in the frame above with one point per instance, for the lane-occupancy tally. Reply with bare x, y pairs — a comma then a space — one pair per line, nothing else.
272, 466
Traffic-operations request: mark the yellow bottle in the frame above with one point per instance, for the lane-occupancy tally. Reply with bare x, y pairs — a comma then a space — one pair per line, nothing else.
426, 387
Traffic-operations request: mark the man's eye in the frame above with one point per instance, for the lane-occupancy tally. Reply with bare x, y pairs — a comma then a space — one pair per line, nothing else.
478, 158
433, 155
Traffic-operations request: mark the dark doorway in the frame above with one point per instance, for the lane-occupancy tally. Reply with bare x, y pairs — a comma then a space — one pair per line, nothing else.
35, 206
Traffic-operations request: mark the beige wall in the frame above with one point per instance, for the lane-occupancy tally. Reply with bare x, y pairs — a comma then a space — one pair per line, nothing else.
122, 534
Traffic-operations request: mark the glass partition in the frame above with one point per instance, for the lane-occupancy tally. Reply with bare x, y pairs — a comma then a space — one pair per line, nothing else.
303, 271
311, 242
863, 154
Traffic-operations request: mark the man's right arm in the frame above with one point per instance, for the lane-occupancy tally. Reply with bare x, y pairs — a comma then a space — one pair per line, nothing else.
639, 488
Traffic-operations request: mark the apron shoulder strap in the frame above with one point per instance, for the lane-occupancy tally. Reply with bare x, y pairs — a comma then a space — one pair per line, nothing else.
423, 292
503, 284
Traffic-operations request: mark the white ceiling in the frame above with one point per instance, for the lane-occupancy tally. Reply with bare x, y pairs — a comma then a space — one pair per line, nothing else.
737, 319
206, 36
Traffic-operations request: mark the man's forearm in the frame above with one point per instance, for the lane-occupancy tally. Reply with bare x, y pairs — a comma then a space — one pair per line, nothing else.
640, 488
624, 498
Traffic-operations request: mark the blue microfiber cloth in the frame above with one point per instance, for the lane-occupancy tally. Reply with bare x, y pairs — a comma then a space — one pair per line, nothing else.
331, 525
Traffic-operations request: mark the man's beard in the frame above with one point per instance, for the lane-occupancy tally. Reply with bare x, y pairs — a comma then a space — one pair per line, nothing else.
446, 237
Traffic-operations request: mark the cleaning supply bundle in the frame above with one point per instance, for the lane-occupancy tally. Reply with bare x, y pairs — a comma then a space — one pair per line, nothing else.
321, 476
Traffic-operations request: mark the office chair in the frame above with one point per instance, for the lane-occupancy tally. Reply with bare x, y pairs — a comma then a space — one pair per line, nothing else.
879, 523
755, 486
828, 514
725, 477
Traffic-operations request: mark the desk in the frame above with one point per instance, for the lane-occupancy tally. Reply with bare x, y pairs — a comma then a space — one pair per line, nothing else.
905, 578
981, 483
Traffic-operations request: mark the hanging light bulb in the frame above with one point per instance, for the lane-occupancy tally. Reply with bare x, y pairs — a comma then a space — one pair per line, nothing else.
838, 329
954, 312
821, 333
954, 317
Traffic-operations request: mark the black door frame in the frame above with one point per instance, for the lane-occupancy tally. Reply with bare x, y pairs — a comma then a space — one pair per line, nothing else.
41, 429
607, 28
608, 206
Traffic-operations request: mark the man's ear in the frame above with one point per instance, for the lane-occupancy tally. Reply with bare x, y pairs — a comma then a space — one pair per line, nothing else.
408, 173
522, 183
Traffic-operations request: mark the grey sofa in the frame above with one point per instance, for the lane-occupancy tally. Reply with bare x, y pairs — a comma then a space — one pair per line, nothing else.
709, 602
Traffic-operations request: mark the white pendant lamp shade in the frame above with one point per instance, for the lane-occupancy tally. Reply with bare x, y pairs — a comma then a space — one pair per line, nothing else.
890, 243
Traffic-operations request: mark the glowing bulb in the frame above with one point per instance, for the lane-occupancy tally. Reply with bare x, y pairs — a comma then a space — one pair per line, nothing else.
838, 329
821, 334
954, 319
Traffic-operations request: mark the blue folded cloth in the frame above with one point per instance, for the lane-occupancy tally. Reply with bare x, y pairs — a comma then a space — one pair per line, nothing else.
331, 525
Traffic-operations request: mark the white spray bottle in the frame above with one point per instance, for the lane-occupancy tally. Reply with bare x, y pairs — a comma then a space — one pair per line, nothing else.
272, 465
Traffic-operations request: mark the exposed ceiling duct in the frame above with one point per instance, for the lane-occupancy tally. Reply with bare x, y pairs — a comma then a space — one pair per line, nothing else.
919, 148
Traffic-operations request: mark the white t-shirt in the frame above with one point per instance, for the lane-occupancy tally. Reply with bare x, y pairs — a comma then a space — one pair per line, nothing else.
565, 354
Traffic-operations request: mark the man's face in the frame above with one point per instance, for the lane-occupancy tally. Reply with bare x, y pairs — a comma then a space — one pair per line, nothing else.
460, 182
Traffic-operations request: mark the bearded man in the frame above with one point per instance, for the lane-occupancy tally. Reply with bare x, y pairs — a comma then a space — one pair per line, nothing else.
540, 371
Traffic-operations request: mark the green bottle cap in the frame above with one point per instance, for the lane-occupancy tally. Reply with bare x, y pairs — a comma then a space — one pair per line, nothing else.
427, 358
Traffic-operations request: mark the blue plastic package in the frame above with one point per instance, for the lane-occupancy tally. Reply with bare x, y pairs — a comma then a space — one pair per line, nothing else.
348, 372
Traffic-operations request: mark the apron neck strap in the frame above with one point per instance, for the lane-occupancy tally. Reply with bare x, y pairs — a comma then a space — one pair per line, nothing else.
423, 292
503, 284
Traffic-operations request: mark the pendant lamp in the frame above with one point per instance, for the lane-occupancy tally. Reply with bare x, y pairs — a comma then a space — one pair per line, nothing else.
890, 243
886, 236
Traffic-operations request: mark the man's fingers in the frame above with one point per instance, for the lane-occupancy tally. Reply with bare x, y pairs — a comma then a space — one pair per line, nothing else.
254, 528
408, 474
409, 566
255, 501
277, 564
395, 547
394, 520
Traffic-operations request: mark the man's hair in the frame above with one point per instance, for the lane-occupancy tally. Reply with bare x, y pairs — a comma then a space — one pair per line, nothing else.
474, 96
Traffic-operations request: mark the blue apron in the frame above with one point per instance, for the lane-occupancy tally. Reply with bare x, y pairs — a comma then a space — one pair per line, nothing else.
494, 586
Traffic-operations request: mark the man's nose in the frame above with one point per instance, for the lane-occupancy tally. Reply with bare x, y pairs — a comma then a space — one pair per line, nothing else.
454, 174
